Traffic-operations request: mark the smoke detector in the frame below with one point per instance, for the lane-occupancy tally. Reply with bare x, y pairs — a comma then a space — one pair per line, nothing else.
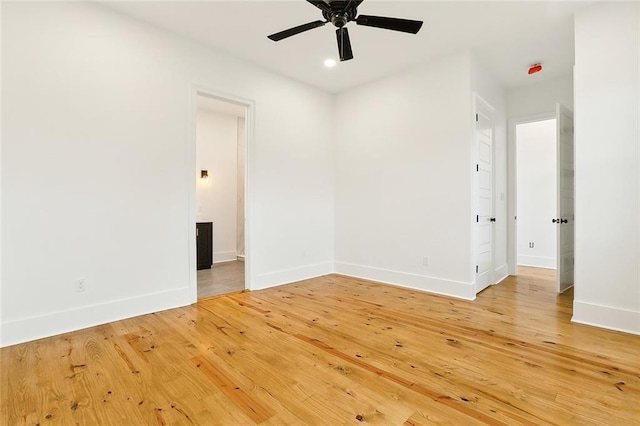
534, 69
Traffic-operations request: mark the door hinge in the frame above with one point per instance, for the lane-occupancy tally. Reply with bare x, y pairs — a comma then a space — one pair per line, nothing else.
476, 269
477, 118
477, 218
477, 167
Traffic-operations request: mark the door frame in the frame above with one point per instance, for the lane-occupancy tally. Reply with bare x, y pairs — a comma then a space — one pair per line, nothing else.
192, 176
512, 196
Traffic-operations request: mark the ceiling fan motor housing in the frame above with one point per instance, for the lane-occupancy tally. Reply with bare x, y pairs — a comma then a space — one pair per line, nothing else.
339, 17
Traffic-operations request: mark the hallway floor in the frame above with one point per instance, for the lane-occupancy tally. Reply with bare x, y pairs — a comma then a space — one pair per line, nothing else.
222, 278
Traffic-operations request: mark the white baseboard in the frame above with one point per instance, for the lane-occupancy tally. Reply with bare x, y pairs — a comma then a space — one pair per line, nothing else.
286, 276
441, 286
500, 273
54, 323
537, 261
606, 317
224, 256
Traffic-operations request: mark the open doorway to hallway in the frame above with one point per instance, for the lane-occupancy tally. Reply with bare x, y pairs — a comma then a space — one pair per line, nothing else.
220, 196
543, 207
537, 196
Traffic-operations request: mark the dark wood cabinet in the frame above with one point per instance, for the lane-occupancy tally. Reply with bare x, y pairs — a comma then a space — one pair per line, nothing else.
204, 244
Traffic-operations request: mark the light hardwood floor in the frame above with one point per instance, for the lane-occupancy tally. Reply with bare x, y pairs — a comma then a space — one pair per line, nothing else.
334, 350
227, 277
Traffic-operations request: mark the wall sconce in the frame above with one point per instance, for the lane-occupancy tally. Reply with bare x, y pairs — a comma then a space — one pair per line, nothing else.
204, 175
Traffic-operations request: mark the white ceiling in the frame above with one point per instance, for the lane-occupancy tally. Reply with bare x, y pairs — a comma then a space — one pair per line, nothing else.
507, 36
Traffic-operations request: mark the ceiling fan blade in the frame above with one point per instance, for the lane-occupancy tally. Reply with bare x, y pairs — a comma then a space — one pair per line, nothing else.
344, 44
395, 24
296, 30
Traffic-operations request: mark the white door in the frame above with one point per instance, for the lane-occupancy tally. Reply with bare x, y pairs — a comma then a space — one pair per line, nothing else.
565, 217
484, 190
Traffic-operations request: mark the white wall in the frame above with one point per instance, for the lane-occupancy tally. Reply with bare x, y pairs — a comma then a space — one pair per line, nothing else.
217, 197
96, 174
536, 204
486, 86
607, 107
1, 186
403, 178
540, 97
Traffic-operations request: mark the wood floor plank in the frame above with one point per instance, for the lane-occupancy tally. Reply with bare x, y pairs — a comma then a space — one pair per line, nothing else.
254, 409
334, 350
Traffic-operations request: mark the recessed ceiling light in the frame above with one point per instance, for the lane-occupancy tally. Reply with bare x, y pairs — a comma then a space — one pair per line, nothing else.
330, 63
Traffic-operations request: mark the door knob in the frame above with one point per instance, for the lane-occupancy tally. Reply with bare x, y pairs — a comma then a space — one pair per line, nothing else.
555, 220
493, 219
563, 221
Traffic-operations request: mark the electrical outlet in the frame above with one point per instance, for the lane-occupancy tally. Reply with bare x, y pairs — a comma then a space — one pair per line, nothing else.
80, 285
425, 260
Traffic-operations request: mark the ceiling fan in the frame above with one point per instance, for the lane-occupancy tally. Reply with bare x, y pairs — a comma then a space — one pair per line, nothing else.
339, 13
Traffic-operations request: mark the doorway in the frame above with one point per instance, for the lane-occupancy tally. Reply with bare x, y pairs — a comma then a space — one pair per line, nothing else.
220, 196
541, 194
536, 202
